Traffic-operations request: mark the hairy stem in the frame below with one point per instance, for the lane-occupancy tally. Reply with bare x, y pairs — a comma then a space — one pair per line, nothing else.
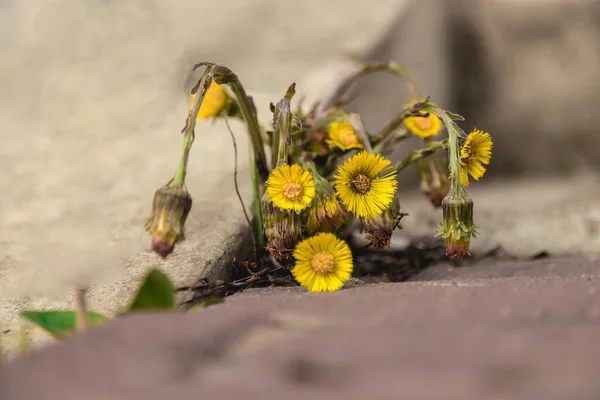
190, 124
338, 95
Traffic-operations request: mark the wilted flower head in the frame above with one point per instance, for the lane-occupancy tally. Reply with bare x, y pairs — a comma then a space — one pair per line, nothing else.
474, 154
214, 102
326, 213
342, 135
458, 226
170, 208
323, 263
282, 228
381, 227
433, 174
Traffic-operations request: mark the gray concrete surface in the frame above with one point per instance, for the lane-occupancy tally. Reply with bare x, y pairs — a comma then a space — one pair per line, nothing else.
92, 101
461, 334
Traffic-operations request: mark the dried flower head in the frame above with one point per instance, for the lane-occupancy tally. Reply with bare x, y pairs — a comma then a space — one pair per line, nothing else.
342, 135
423, 126
170, 208
281, 227
323, 263
474, 154
458, 226
214, 102
291, 187
361, 188
381, 227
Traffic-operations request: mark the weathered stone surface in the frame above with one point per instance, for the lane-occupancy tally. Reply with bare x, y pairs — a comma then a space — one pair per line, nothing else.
559, 216
94, 95
463, 335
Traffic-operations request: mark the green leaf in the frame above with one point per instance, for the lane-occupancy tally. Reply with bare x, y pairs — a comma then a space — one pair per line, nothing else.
155, 293
206, 303
455, 117
60, 323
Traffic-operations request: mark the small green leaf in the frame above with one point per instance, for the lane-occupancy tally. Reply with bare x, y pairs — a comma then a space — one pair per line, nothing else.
60, 323
455, 117
206, 303
155, 293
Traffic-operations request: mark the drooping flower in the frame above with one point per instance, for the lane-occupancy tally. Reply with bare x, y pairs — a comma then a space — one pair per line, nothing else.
170, 208
458, 226
423, 127
282, 228
291, 187
215, 100
474, 154
380, 228
361, 188
341, 135
323, 263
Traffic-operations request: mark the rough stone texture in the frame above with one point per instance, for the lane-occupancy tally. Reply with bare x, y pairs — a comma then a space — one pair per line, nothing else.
91, 128
559, 216
469, 334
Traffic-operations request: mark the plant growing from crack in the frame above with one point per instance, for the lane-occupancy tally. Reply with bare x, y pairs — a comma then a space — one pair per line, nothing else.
328, 171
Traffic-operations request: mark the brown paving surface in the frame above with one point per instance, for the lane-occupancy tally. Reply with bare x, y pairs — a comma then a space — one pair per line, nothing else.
501, 330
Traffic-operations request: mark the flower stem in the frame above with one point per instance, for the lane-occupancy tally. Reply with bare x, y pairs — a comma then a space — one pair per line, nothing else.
420, 154
283, 121
337, 97
190, 125
454, 131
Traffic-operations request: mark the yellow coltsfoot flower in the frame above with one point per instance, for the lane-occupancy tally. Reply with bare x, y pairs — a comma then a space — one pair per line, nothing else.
341, 135
214, 101
361, 188
474, 154
423, 127
323, 263
291, 187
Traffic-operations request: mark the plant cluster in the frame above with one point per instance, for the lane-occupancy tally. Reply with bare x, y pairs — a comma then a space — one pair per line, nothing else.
317, 172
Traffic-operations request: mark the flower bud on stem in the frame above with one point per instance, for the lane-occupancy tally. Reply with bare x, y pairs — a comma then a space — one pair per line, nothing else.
458, 226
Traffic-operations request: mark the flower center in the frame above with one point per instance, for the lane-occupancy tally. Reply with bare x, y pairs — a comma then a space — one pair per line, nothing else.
362, 183
424, 123
292, 191
347, 137
322, 262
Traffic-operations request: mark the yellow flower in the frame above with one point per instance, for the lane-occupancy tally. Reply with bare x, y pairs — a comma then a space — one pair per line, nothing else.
361, 189
326, 215
423, 126
291, 187
342, 135
213, 103
474, 153
323, 263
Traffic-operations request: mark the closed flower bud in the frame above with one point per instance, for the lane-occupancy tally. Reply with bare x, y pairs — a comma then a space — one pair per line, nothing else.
381, 227
433, 174
326, 213
170, 208
458, 226
282, 228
